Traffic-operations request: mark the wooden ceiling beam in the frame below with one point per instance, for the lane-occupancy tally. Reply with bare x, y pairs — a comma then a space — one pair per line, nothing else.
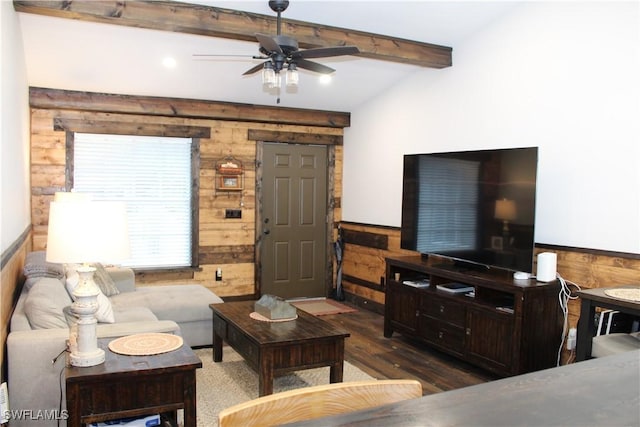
237, 25
60, 99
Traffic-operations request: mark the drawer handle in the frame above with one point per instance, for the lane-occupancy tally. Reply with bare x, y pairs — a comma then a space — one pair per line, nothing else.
442, 309
440, 334
468, 331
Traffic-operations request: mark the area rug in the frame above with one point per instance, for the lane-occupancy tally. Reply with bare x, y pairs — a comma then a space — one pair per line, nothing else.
322, 307
232, 381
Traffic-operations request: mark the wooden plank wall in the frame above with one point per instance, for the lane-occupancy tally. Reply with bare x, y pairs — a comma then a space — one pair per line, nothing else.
593, 269
363, 265
367, 246
225, 243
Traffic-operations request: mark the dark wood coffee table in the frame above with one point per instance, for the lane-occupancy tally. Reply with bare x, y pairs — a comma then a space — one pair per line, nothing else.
131, 386
274, 348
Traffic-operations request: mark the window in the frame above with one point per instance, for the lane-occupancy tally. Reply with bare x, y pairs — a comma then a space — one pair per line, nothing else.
448, 217
154, 176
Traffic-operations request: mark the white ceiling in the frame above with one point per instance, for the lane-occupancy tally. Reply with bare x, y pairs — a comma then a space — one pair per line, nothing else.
76, 55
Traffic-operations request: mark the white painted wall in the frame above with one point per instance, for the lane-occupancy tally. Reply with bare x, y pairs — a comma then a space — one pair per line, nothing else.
562, 76
15, 190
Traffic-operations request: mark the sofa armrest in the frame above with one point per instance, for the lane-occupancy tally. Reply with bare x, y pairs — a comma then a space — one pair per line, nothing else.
123, 277
34, 380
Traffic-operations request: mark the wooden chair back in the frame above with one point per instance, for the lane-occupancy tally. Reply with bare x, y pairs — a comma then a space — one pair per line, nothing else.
318, 401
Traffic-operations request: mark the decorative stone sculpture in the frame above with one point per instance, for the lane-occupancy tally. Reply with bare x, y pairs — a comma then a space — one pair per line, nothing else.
273, 307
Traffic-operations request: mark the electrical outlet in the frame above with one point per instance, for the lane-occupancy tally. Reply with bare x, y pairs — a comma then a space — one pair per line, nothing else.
571, 339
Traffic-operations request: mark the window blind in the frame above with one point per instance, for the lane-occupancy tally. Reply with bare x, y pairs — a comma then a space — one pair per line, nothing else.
448, 205
153, 176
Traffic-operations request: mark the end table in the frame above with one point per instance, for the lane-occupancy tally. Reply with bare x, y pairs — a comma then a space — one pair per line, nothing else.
132, 386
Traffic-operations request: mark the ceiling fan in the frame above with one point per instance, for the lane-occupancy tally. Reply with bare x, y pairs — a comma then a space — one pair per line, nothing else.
282, 51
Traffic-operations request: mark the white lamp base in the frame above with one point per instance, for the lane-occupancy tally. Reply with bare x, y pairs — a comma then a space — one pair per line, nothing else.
87, 359
85, 351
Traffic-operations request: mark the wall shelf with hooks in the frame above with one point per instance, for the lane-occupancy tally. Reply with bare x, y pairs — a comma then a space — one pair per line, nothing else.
229, 175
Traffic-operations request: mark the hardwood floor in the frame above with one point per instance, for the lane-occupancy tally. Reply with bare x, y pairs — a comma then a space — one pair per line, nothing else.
397, 357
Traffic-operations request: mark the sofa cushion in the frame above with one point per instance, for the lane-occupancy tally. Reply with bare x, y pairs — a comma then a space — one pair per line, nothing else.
123, 277
133, 314
180, 303
45, 303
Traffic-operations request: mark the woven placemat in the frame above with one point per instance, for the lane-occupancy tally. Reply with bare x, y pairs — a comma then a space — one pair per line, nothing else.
146, 344
629, 294
257, 316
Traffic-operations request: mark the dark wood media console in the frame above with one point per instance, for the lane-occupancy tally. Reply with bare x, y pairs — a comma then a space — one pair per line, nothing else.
508, 326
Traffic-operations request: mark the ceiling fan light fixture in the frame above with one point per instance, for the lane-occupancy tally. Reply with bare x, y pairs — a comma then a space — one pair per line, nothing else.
268, 75
278, 81
292, 76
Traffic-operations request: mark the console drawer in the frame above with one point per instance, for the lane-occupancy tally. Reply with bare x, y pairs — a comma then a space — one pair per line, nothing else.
441, 308
442, 334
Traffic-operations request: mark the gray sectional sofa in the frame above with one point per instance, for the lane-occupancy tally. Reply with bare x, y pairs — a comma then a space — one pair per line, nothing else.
39, 328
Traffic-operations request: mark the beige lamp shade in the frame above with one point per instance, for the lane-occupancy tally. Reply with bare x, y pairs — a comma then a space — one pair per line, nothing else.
85, 231
62, 196
505, 210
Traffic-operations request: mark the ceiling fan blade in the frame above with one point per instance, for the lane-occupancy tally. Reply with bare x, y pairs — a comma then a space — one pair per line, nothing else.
268, 43
215, 55
323, 52
253, 69
313, 66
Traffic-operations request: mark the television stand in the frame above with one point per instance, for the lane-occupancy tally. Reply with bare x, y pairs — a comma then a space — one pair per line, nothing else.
506, 326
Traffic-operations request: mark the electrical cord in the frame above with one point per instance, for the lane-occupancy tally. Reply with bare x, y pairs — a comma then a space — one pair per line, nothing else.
59, 415
563, 298
60, 379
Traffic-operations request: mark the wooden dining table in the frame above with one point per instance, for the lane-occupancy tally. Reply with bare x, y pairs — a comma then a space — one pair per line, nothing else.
597, 392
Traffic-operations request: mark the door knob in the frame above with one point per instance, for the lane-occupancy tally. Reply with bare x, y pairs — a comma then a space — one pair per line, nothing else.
266, 231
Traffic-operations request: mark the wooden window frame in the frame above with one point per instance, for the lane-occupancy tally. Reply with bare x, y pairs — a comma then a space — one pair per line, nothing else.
72, 126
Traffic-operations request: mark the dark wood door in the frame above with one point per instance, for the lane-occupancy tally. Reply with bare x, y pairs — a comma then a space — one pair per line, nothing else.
293, 249
490, 339
401, 305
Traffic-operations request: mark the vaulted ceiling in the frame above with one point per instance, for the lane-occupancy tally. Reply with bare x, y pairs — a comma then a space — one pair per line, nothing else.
119, 46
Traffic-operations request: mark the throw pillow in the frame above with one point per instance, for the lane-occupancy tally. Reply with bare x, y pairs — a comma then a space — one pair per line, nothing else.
28, 284
105, 310
36, 266
104, 281
45, 304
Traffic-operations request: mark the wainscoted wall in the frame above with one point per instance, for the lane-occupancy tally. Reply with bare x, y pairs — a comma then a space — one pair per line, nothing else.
11, 280
234, 130
367, 246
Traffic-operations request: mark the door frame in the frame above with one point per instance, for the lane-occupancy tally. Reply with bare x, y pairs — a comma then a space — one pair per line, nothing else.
331, 228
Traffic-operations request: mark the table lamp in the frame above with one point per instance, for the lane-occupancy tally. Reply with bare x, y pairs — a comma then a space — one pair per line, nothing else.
83, 231
506, 211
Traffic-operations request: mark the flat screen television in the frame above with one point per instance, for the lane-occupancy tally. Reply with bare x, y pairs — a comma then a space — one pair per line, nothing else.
475, 207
